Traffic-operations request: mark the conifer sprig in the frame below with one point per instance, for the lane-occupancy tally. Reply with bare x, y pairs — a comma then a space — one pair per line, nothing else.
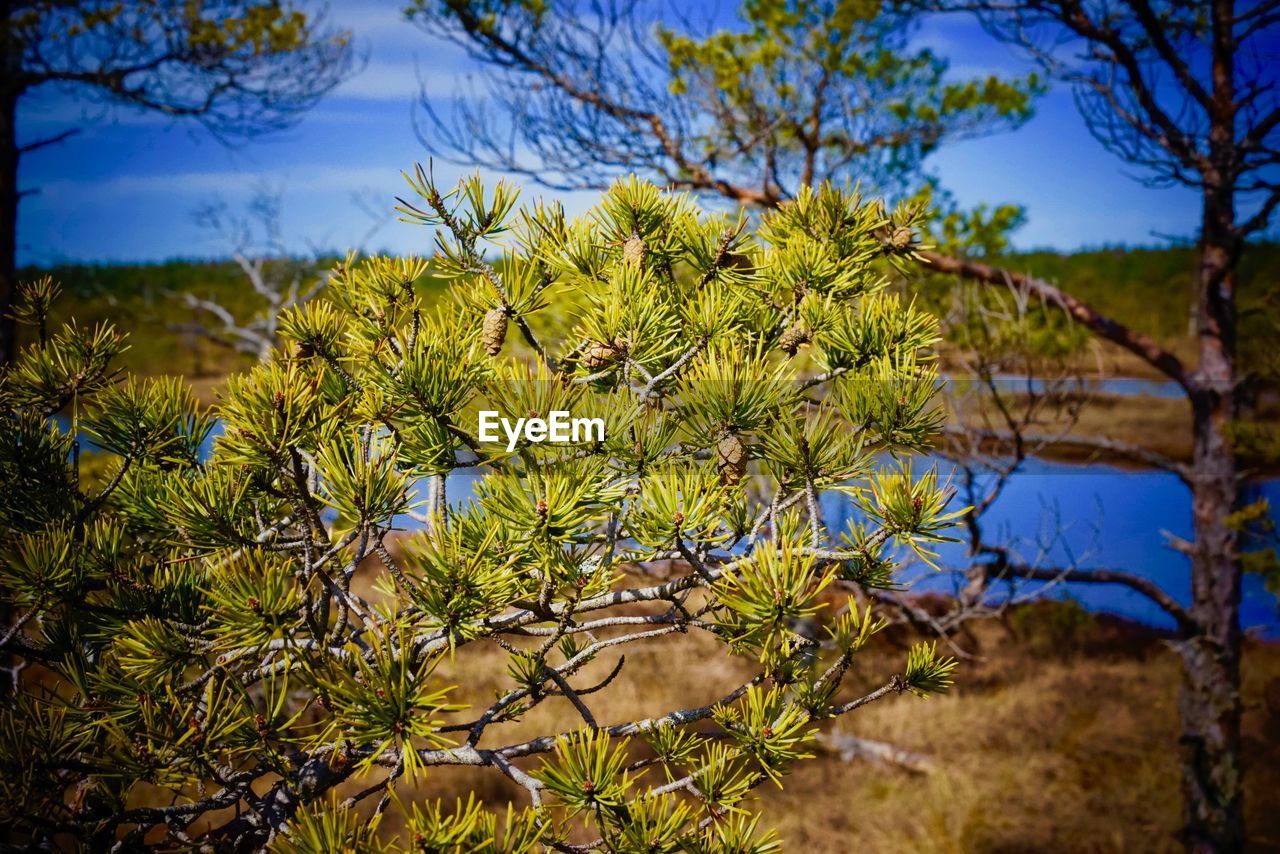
246, 624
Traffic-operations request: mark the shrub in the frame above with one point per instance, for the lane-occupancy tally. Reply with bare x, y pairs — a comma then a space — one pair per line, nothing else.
197, 666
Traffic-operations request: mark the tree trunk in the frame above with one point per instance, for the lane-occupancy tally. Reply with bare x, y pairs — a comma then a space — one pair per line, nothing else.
1210, 701
8, 221
9, 154
8, 224
10, 91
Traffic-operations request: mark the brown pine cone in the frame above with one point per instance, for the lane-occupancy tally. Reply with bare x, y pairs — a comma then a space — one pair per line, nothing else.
600, 355
900, 239
795, 335
494, 330
731, 460
633, 251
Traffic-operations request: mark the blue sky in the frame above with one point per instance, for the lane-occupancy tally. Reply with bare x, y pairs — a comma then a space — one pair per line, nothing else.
126, 188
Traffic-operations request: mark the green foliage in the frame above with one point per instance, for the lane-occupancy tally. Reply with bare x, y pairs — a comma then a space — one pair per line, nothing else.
155, 421
1157, 295
853, 629
386, 701
764, 596
587, 772
238, 627
470, 827
255, 597
912, 510
34, 301
328, 827
1260, 542
768, 728
926, 673
76, 363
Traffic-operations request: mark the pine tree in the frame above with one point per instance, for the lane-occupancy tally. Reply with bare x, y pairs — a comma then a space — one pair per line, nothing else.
201, 667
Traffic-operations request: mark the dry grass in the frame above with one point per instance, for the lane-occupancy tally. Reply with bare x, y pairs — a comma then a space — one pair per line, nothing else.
1035, 751
1031, 755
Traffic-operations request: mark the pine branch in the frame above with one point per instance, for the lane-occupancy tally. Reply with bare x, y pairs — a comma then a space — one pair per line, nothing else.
1139, 344
1005, 569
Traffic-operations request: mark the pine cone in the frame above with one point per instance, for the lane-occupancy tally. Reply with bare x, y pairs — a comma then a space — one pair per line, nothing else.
795, 335
900, 239
600, 355
494, 330
731, 460
633, 251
